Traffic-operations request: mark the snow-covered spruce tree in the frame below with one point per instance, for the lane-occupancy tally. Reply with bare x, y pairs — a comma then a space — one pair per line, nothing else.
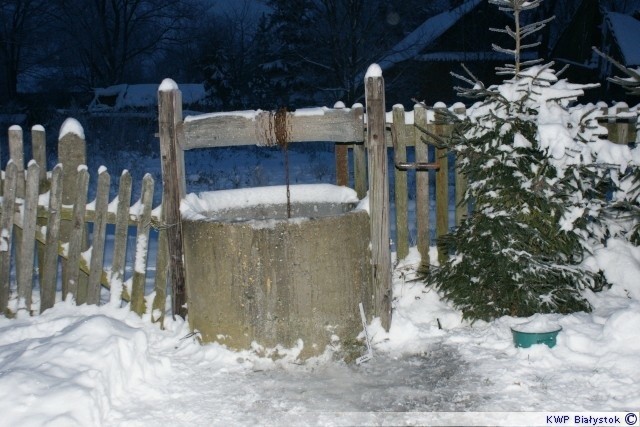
527, 157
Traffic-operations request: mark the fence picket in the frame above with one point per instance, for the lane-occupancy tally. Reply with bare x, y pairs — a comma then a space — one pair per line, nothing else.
160, 284
399, 136
6, 233
98, 238
422, 184
442, 184
121, 234
49, 269
360, 161
462, 208
142, 247
70, 274
26, 256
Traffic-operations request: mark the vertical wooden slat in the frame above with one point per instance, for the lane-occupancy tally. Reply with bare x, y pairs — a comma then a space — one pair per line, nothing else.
442, 185
39, 153
39, 150
116, 279
160, 286
462, 209
6, 234
399, 135
173, 185
72, 154
71, 274
342, 158
49, 268
25, 257
96, 266
622, 126
360, 160
422, 185
142, 247
378, 195
16, 153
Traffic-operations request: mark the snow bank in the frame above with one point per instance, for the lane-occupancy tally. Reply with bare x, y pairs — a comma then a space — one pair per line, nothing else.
70, 365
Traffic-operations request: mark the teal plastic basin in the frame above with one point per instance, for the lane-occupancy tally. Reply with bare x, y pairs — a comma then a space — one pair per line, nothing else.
527, 339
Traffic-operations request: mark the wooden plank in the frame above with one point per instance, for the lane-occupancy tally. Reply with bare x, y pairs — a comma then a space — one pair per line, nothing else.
25, 257
142, 247
72, 153
116, 277
39, 152
422, 186
379, 198
462, 208
257, 128
71, 274
6, 233
160, 283
169, 115
442, 199
49, 268
401, 193
342, 164
98, 238
360, 161
16, 153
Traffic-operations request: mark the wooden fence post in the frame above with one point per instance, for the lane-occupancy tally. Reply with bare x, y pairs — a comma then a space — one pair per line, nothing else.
49, 264
173, 187
442, 182
422, 185
98, 237
6, 235
342, 158
16, 153
360, 160
462, 208
399, 135
378, 194
39, 154
71, 154
26, 252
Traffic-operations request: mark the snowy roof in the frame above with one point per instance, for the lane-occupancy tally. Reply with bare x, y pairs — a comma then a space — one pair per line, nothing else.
123, 96
626, 32
425, 34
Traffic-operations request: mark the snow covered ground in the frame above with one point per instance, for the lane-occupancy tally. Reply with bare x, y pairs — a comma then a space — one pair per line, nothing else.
94, 366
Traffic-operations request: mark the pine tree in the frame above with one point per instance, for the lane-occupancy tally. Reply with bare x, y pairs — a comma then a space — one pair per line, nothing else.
536, 193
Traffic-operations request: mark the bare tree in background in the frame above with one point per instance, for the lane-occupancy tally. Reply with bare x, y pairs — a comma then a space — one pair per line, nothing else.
23, 41
108, 37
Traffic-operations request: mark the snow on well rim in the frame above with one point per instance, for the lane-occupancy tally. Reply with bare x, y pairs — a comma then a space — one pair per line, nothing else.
193, 206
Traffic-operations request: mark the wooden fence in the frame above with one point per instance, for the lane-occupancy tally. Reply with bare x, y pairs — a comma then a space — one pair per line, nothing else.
45, 218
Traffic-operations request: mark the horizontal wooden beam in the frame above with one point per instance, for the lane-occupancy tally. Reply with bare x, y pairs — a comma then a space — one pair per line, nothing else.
258, 127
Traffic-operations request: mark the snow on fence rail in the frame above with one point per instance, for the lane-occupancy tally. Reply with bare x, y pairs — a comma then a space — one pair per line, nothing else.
46, 213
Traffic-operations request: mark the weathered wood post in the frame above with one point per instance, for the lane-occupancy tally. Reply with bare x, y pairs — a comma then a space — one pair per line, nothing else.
442, 179
173, 187
72, 153
342, 157
39, 153
360, 160
422, 184
378, 194
399, 135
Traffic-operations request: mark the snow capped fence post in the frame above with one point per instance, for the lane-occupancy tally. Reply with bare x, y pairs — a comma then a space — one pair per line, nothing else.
378, 194
173, 187
72, 153
16, 154
442, 180
39, 154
